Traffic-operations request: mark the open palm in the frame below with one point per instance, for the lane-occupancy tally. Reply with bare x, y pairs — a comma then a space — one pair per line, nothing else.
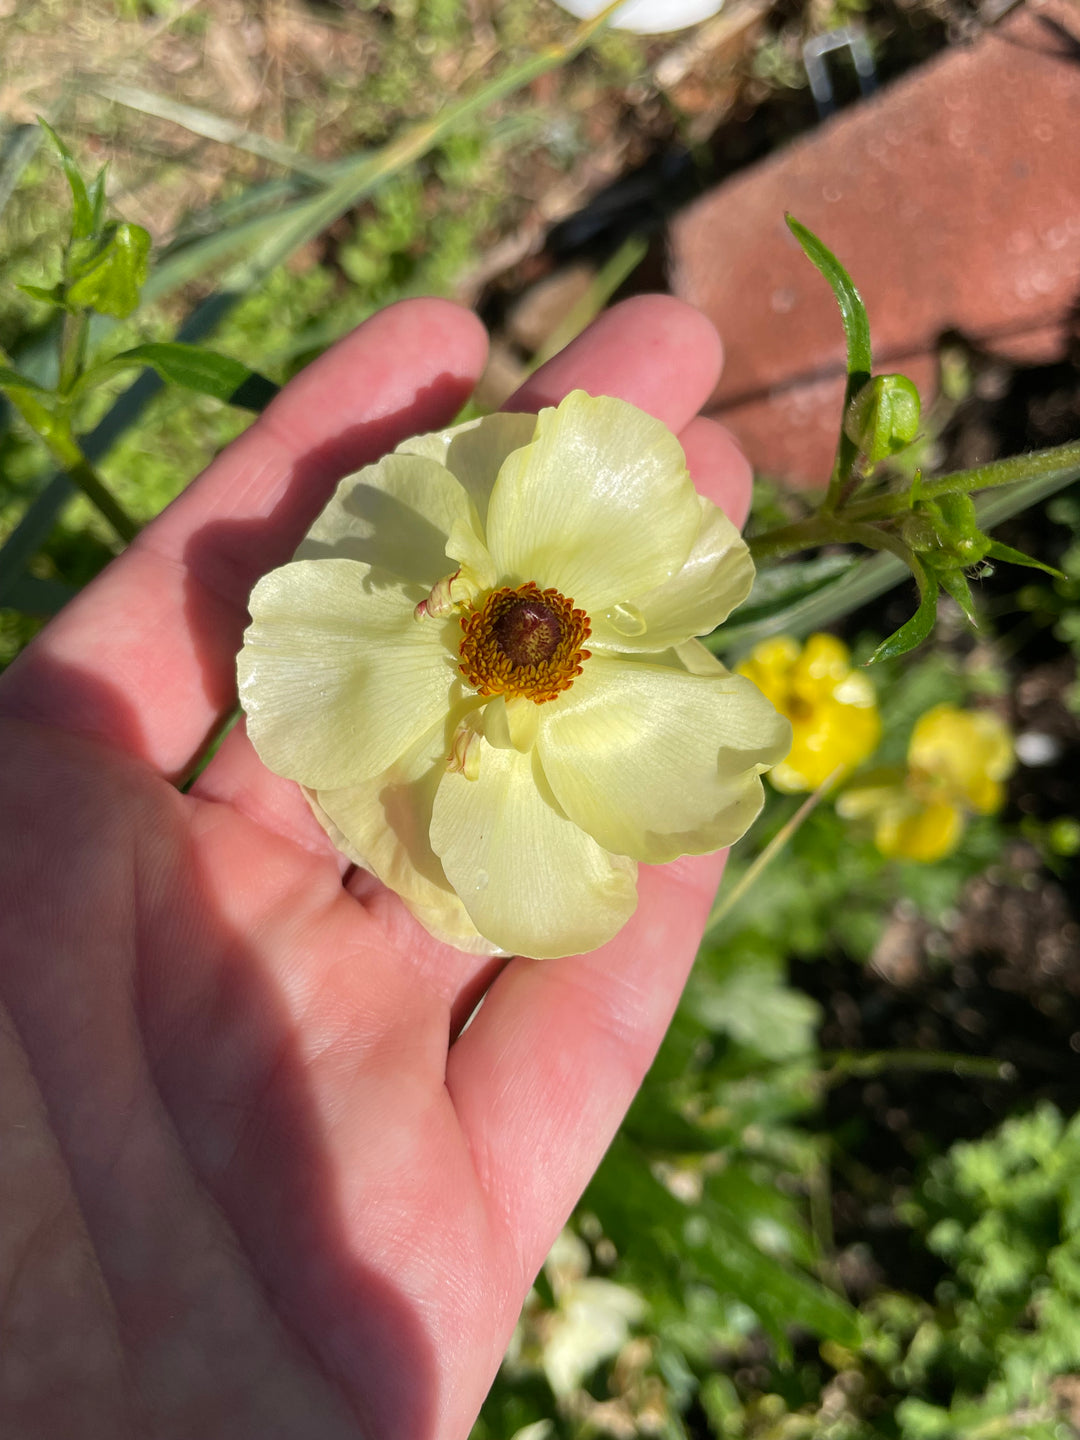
253, 1181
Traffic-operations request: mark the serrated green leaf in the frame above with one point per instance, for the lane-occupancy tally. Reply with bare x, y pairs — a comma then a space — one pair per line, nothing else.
107, 272
82, 207
997, 551
918, 627
196, 368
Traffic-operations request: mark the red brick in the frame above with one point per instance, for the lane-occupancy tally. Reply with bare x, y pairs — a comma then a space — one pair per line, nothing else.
953, 197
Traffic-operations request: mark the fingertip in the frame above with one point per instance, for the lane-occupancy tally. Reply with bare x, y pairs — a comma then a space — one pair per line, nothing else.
719, 468
657, 352
419, 357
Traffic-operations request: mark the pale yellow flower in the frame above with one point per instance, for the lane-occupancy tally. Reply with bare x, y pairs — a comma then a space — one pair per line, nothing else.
956, 764
481, 668
832, 708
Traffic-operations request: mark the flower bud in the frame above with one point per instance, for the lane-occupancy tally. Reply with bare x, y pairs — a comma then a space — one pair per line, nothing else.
883, 417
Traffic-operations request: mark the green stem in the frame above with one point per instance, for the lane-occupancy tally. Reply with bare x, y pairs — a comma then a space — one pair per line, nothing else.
1062, 463
72, 349
54, 432
726, 902
845, 1065
808, 534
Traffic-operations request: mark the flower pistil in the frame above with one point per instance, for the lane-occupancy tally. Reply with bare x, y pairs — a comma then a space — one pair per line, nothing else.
523, 642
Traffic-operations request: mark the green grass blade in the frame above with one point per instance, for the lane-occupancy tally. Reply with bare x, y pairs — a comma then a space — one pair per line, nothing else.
20, 147
209, 126
36, 596
276, 236
607, 280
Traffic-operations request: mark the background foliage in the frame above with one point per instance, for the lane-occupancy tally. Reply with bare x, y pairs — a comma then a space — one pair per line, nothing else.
845, 1203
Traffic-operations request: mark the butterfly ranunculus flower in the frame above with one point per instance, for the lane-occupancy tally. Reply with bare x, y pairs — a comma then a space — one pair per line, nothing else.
832, 708
481, 667
957, 763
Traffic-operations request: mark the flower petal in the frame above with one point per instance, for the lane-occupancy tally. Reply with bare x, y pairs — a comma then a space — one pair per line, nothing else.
919, 832
533, 883
717, 576
656, 763
395, 516
382, 824
600, 505
474, 452
337, 678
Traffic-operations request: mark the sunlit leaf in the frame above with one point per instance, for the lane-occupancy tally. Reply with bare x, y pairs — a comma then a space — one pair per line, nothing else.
12, 380
856, 330
82, 206
997, 551
195, 368
107, 272
51, 294
918, 627
96, 196
852, 309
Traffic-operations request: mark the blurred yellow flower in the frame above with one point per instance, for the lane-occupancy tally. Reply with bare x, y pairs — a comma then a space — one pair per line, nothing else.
832, 708
481, 666
956, 764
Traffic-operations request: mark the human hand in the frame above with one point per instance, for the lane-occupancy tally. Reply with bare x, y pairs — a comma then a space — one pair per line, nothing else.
253, 1182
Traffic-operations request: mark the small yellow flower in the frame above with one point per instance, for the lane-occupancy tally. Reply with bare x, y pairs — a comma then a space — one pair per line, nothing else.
956, 764
832, 708
481, 666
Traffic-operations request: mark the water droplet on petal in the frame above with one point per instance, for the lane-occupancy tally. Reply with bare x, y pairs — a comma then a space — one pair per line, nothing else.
626, 619
482, 878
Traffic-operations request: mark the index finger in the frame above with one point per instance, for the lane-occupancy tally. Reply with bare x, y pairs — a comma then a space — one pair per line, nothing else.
144, 657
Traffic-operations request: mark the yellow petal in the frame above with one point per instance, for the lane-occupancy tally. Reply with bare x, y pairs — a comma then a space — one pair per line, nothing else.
925, 832
655, 763
395, 516
769, 666
533, 883
474, 452
718, 575
600, 505
827, 735
382, 825
965, 753
337, 678
511, 722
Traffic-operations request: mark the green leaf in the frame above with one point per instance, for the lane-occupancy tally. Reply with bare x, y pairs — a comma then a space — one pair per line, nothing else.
82, 207
781, 585
918, 627
107, 272
857, 332
996, 551
96, 196
11, 380
954, 583
36, 596
198, 369
852, 309
51, 294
